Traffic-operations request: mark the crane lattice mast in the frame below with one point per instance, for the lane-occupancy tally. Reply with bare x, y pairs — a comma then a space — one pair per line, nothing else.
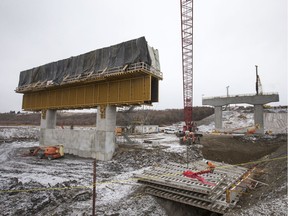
187, 59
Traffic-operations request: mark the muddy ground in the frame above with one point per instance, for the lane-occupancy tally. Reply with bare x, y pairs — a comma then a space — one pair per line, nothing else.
31, 186
268, 154
235, 149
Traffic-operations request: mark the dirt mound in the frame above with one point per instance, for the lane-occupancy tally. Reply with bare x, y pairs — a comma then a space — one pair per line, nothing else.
132, 157
270, 195
269, 198
239, 149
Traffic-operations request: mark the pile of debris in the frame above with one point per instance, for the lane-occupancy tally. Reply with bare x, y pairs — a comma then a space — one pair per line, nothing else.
219, 192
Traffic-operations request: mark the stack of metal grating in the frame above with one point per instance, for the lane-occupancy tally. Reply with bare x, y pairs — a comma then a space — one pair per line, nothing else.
167, 181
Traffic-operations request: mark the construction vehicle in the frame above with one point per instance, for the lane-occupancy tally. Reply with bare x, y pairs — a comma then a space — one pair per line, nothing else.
189, 137
49, 152
253, 129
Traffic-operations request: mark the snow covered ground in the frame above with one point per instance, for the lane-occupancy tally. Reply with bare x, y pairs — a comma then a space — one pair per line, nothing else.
31, 186
239, 121
21, 132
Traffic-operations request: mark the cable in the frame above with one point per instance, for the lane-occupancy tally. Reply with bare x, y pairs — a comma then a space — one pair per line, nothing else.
126, 180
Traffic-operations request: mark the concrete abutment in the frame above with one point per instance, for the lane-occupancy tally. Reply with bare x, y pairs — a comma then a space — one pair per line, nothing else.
98, 143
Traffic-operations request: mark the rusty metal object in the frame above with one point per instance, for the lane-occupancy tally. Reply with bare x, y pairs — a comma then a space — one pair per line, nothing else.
94, 189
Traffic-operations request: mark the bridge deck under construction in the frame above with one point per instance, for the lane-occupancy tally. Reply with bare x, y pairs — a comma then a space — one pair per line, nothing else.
227, 184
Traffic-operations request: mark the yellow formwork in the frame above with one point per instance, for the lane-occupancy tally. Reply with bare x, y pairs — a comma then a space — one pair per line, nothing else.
128, 91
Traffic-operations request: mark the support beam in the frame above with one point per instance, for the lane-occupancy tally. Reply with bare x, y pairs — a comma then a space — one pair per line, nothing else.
141, 89
238, 99
218, 117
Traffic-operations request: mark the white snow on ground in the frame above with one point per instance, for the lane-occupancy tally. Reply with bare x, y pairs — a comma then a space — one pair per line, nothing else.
114, 191
42, 178
110, 193
231, 121
7, 132
117, 188
32, 169
8, 149
270, 207
276, 122
239, 121
276, 207
170, 142
207, 128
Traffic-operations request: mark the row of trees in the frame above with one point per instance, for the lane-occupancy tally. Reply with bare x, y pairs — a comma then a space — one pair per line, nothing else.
152, 117
162, 117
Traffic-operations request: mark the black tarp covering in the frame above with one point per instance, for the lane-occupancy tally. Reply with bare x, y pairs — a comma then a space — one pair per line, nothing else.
128, 52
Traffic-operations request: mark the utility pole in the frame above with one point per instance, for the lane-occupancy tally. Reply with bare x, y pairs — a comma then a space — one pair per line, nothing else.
227, 90
257, 80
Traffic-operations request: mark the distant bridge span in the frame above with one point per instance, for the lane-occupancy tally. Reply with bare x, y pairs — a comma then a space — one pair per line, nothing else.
257, 100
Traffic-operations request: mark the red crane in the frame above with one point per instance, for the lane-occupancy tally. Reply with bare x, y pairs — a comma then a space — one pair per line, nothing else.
187, 61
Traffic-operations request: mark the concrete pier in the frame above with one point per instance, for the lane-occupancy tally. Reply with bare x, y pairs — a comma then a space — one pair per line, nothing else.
48, 119
96, 143
105, 133
257, 100
259, 117
218, 117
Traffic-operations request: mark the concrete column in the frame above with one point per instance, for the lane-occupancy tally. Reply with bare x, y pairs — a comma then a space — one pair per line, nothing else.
105, 133
48, 121
258, 117
218, 117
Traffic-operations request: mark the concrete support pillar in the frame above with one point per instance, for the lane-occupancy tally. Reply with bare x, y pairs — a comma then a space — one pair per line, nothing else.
218, 117
48, 121
258, 117
105, 132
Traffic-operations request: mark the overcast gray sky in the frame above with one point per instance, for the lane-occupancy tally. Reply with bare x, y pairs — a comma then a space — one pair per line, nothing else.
230, 38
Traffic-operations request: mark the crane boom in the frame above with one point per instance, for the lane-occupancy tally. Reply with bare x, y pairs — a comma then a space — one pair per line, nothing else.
187, 59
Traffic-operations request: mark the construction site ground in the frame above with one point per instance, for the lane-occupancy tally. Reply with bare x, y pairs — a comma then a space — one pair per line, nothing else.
32, 186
